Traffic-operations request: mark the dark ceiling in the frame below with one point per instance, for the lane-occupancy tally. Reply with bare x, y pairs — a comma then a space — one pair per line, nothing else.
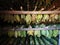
27, 4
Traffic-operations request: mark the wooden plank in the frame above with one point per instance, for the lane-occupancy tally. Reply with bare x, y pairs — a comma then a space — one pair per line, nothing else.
29, 12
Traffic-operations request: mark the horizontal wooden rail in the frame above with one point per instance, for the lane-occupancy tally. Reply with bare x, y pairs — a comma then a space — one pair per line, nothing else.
51, 27
29, 12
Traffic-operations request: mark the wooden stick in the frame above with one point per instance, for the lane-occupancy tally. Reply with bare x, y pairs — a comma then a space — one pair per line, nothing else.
51, 8
57, 9
30, 12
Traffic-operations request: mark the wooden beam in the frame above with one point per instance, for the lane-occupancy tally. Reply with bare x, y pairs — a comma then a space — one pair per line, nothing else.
29, 12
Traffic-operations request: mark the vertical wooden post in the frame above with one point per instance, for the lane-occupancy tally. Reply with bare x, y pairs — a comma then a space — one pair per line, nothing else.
59, 37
